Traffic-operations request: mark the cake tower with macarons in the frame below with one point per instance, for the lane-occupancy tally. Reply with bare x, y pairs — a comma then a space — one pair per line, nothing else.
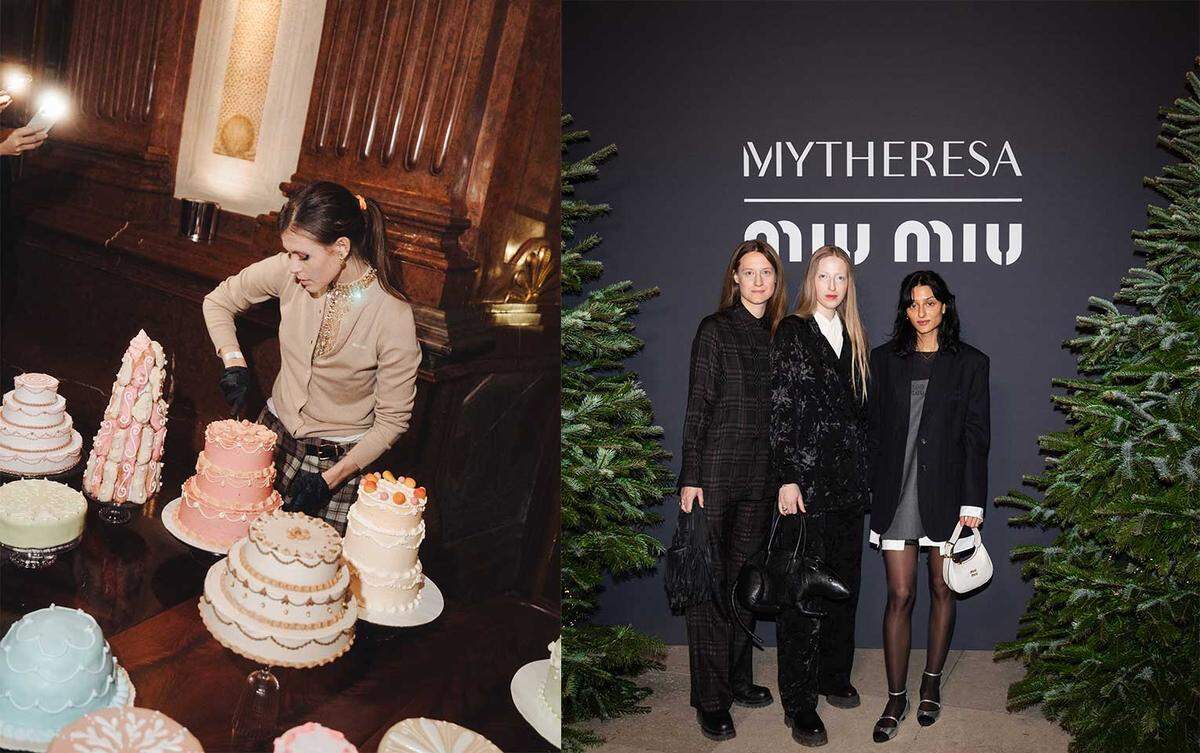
385, 528
126, 457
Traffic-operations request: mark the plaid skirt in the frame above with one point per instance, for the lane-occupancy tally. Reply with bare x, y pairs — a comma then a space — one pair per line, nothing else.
290, 460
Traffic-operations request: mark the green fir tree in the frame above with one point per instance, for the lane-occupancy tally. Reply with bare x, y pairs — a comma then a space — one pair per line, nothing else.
1111, 636
612, 471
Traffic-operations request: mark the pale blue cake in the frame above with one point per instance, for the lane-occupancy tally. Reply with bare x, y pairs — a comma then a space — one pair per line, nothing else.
55, 666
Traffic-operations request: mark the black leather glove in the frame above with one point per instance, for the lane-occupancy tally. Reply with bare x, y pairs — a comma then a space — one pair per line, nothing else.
309, 493
235, 384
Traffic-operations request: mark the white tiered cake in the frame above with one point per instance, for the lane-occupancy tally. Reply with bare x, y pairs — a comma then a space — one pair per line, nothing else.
37, 435
384, 533
282, 597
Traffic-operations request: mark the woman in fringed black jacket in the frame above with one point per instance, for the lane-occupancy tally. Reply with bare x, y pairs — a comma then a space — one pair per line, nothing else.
820, 455
725, 469
930, 412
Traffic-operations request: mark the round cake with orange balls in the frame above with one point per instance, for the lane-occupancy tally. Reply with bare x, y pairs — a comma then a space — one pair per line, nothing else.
384, 531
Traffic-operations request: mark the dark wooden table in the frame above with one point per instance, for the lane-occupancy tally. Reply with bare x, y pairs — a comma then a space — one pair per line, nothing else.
142, 586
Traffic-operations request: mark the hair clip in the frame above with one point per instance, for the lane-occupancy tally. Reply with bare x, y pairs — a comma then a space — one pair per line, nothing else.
362, 203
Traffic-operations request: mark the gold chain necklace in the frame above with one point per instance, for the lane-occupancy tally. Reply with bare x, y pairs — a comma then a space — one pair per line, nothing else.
338, 302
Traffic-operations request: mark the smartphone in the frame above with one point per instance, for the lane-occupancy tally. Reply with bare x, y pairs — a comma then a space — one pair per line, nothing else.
41, 121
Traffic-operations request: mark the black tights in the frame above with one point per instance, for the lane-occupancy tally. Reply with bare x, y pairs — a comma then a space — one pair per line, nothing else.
901, 568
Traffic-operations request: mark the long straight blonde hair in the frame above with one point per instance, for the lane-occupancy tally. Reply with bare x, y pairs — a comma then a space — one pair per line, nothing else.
848, 309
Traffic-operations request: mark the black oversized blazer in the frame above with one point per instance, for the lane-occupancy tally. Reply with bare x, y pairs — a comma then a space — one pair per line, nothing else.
819, 427
728, 411
952, 443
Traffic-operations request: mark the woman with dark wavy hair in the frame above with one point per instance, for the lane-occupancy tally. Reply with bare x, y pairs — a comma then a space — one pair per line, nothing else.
725, 469
930, 420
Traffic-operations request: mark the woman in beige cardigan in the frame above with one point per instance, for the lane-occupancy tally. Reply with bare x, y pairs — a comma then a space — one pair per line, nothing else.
347, 344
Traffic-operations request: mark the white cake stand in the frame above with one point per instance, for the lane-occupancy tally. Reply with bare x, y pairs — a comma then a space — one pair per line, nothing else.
427, 609
170, 519
525, 687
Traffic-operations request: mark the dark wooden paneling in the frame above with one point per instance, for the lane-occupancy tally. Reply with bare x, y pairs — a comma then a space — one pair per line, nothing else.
444, 110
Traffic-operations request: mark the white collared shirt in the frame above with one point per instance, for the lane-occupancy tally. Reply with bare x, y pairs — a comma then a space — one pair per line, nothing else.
832, 329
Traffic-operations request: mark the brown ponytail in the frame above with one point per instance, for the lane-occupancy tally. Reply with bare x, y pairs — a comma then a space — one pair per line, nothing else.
327, 211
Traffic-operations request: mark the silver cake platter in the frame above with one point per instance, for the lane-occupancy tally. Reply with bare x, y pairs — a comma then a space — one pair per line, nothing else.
36, 559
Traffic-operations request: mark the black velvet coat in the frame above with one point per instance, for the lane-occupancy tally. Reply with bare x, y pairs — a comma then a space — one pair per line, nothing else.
725, 427
952, 444
819, 427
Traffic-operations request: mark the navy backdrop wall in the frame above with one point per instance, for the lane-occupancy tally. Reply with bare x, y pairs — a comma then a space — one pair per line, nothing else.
712, 104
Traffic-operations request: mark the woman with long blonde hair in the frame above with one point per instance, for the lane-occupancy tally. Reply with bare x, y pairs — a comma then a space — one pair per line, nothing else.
820, 457
726, 471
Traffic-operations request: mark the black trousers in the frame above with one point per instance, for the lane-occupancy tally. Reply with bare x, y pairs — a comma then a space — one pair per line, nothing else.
719, 651
816, 655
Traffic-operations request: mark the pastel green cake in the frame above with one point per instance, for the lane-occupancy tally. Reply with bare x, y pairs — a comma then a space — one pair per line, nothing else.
38, 514
55, 666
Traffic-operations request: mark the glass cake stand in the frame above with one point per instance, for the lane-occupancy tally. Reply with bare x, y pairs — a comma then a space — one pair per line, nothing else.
256, 717
36, 559
114, 513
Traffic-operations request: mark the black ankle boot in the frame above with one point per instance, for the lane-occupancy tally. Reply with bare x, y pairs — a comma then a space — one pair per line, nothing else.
716, 725
753, 696
807, 728
843, 698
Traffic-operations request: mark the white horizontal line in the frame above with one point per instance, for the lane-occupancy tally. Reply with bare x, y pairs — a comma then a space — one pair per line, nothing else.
886, 201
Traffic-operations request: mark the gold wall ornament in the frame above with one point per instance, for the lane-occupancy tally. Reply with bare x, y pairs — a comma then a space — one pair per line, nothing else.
247, 74
533, 267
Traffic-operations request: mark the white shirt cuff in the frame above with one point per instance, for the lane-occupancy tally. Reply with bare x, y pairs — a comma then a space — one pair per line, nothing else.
967, 511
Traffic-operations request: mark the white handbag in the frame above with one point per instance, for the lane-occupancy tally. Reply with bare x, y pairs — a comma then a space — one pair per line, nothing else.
965, 575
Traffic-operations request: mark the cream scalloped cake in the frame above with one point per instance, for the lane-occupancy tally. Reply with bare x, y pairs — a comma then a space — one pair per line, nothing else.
127, 730
311, 737
282, 596
124, 464
385, 528
39, 514
233, 485
550, 692
55, 667
37, 435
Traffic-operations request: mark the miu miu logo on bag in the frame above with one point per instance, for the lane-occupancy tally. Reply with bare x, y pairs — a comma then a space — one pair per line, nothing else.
974, 573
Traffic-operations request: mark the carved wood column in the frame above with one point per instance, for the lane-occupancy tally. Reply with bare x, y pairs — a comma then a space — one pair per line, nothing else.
126, 73
411, 104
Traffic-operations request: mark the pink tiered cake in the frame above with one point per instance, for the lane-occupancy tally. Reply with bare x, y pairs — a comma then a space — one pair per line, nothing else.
125, 461
233, 484
37, 436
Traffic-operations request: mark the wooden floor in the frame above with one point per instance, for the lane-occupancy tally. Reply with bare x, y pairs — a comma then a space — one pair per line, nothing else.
973, 717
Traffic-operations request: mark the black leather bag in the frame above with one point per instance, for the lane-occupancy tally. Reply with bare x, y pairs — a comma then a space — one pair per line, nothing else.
690, 577
774, 580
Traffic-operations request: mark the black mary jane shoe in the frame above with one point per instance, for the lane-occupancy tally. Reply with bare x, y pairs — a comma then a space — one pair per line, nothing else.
753, 696
929, 710
807, 728
845, 698
716, 725
883, 731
